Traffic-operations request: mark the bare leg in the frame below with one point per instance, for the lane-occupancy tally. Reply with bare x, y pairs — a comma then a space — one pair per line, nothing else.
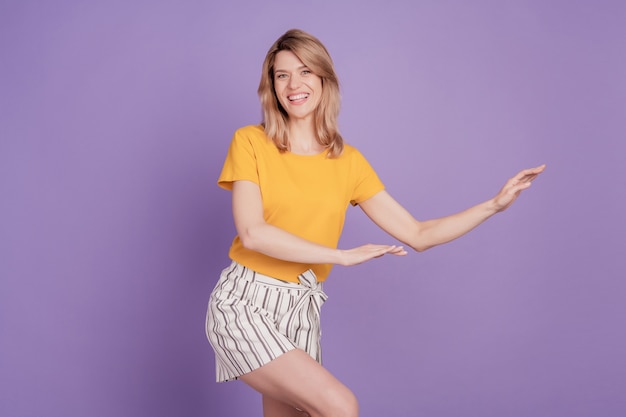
298, 381
275, 408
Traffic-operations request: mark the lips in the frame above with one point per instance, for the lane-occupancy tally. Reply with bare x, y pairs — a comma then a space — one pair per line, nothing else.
298, 97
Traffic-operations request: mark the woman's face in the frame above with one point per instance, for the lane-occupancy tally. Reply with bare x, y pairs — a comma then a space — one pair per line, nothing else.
299, 91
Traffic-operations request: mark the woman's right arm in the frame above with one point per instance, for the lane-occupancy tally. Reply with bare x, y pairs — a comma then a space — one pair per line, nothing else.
257, 235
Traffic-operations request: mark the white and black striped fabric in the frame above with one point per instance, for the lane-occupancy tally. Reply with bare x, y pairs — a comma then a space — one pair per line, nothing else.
252, 319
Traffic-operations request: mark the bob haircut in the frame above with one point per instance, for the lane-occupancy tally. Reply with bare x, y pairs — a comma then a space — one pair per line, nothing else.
314, 55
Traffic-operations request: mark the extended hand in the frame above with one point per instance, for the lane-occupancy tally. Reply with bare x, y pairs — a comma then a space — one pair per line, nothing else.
513, 187
366, 252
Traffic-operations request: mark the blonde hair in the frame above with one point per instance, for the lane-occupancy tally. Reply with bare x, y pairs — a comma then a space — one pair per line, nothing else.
314, 55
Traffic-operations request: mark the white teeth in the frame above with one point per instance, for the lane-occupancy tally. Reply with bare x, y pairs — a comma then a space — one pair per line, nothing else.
298, 97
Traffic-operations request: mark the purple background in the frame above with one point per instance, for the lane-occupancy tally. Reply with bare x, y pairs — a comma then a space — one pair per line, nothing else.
115, 117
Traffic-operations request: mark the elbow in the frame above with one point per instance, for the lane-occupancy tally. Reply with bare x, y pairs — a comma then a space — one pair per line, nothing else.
246, 242
249, 238
419, 240
420, 247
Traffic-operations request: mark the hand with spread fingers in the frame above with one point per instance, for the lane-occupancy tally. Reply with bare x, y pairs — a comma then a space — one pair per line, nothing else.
364, 253
514, 186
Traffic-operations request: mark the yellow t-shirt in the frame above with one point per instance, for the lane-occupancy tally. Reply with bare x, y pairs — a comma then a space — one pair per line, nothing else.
306, 195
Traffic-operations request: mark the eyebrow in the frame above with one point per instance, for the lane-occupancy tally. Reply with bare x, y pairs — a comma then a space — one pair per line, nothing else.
299, 68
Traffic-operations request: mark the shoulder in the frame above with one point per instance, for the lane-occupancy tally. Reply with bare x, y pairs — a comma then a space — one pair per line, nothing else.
351, 153
349, 150
252, 135
250, 132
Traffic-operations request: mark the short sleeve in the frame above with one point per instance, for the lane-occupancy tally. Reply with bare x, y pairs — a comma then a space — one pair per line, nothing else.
240, 162
367, 183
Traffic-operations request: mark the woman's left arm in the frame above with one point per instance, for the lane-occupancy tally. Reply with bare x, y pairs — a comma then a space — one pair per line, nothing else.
390, 216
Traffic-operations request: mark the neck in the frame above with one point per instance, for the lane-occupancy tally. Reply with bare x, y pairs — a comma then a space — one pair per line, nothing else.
302, 138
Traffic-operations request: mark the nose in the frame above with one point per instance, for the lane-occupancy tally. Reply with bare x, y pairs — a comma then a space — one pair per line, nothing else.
294, 81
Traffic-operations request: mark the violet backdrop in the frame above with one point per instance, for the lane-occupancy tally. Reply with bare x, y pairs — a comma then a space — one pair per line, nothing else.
115, 117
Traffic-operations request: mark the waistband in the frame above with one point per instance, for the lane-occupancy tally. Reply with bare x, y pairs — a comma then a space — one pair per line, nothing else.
308, 279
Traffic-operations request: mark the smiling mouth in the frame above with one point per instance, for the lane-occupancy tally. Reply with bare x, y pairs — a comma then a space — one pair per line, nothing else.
297, 97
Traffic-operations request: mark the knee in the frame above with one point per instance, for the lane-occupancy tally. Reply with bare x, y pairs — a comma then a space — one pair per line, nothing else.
351, 407
343, 405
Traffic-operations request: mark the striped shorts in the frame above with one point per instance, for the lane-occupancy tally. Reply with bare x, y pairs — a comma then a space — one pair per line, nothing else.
252, 319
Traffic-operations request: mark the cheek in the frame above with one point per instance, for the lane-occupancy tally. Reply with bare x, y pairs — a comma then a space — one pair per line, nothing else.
281, 101
321, 92
320, 87
278, 94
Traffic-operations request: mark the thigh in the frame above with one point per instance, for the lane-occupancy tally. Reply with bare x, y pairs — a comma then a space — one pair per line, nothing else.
298, 381
275, 408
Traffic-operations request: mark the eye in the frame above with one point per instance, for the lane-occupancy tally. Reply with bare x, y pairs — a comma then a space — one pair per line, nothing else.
281, 76
306, 72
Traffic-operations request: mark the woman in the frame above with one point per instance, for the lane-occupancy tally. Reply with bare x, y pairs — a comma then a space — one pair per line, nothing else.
292, 179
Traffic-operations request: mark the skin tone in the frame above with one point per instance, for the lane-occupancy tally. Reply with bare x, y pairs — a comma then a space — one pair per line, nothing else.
294, 380
299, 91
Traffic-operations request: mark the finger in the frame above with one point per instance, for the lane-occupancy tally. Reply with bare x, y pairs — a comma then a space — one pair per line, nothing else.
397, 250
529, 178
538, 169
518, 188
375, 248
524, 174
523, 179
530, 172
383, 249
394, 249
